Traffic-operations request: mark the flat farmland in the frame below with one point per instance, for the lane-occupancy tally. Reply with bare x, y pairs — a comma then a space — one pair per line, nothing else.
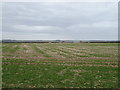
60, 65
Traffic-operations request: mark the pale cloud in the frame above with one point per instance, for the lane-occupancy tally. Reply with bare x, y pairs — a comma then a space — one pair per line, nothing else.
0, 21
60, 0
96, 25
65, 20
35, 28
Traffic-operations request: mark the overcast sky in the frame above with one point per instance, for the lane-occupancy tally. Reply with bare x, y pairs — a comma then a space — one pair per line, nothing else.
60, 20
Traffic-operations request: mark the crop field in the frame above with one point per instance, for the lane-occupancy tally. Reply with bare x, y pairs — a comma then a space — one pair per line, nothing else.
60, 65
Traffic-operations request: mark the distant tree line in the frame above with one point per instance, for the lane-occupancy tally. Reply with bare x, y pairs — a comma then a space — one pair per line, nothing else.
60, 41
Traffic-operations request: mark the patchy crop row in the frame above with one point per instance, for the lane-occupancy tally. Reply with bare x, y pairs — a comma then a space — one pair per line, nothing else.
60, 65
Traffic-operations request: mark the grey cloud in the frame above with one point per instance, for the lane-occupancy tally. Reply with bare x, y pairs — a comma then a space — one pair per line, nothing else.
60, 20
